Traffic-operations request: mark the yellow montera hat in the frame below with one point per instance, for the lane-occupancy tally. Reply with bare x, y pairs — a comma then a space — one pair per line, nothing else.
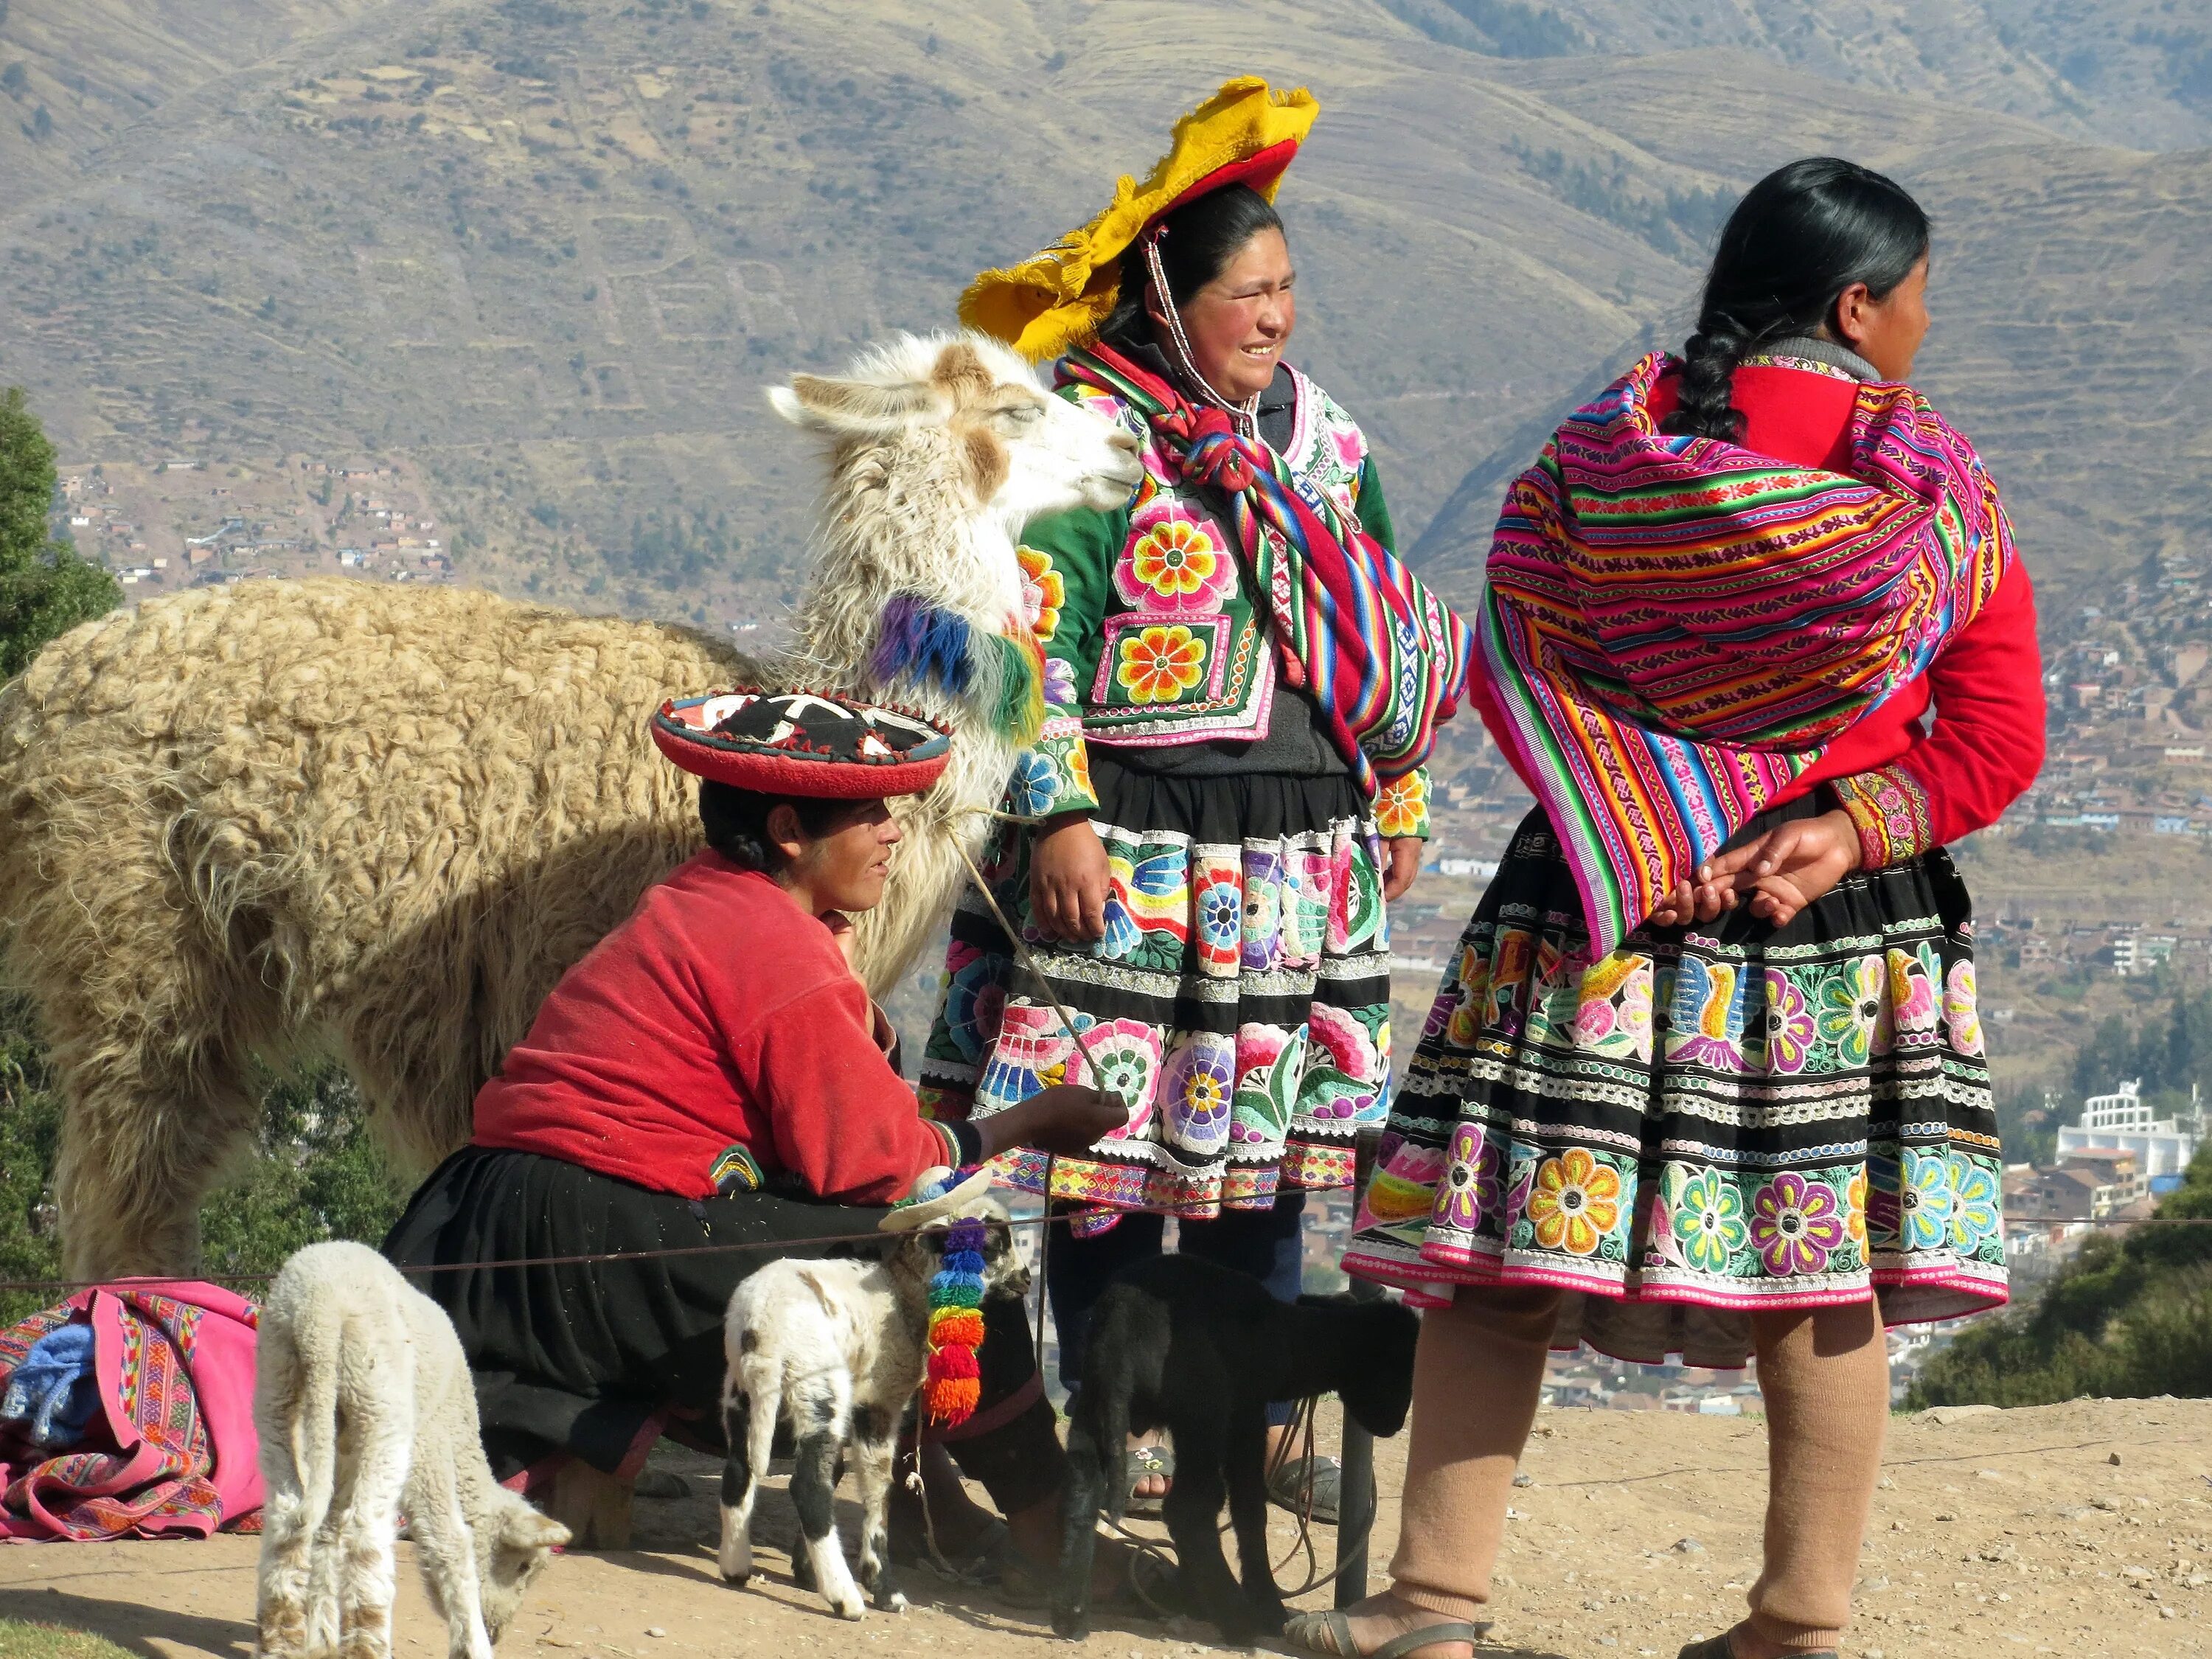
1060, 299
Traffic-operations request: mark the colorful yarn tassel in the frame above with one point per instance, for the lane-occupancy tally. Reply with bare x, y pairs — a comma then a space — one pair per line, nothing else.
954, 1382
924, 643
919, 641
1019, 710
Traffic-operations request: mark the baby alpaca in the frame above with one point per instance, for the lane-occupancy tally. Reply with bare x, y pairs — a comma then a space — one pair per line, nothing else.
1180, 1344
364, 1407
835, 1349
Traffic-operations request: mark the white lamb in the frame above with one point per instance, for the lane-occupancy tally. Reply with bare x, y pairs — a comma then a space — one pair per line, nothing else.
835, 1349
364, 1407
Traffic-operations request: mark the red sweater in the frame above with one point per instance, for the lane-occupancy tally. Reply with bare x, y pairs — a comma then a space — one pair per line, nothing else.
719, 1014
1908, 786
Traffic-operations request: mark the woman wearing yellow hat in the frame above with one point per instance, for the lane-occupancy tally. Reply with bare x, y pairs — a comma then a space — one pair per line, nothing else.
1241, 684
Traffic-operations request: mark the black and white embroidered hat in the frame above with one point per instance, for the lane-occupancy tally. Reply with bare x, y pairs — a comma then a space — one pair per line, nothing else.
803, 743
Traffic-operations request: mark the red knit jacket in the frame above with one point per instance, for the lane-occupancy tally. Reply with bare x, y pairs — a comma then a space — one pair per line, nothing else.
1907, 783
720, 1015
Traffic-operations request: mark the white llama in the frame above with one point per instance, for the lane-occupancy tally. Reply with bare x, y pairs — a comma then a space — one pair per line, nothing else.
836, 1350
364, 1407
381, 821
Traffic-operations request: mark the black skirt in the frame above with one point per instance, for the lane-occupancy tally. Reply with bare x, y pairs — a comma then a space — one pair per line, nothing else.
597, 1360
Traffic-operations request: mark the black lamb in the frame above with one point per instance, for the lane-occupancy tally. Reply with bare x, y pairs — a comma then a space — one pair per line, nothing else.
1180, 1344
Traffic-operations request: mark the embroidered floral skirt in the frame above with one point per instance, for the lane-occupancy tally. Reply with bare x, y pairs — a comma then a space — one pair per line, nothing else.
1240, 1000
1710, 1122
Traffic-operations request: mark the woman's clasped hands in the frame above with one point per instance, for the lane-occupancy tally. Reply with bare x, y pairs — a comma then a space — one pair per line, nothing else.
1776, 874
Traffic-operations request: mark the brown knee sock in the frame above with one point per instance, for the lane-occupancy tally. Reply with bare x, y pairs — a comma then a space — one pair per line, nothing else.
1826, 1377
1476, 1379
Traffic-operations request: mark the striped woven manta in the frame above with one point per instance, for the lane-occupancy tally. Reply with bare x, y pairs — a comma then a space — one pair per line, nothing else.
1675, 628
1385, 659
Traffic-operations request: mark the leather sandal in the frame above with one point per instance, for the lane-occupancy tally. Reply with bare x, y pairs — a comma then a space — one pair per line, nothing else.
1308, 1630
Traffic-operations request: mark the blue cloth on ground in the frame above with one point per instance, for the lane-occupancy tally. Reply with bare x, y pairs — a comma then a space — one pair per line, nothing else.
54, 1392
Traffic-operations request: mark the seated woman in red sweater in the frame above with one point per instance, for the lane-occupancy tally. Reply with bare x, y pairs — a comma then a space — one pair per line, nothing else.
710, 1074
1706, 1076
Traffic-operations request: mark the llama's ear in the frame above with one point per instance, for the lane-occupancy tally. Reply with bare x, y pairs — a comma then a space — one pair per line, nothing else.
526, 1530
851, 409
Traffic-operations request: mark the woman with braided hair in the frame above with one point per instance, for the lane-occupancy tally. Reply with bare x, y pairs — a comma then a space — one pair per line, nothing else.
1241, 686
1707, 1078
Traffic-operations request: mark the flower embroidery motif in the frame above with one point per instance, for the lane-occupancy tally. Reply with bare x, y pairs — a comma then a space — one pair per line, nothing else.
1789, 1024
1850, 1002
1596, 1017
1160, 663
1177, 564
1078, 762
1043, 591
1351, 449
1959, 1012
1401, 805
1059, 682
1975, 1214
974, 1000
1855, 1208
1470, 1188
1927, 1196
1635, 1018
1708, 1217
1195, 1092
1126, 1053
1219, 904
1798, 1226
1029, 792
1340, 1037
1575, 1203
1794, 1224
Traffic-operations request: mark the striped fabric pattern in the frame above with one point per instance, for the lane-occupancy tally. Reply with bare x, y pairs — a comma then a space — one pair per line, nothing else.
1675, 628
1385, 659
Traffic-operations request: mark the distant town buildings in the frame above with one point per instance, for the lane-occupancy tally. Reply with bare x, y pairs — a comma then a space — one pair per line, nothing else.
2120, 1124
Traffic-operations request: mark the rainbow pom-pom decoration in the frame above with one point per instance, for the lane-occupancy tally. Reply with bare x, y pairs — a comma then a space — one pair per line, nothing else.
953, 1381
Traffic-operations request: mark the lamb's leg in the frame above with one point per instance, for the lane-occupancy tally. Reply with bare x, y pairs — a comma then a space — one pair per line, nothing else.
749, 1426
289, 1512
448, 1548
875, 1451
1246, 1468
1192, 1510
368, 1507
1080, 1502
820, 1416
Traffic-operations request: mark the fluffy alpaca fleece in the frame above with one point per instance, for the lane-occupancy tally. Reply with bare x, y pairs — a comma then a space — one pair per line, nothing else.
364, 1407
834, 1350
381, 821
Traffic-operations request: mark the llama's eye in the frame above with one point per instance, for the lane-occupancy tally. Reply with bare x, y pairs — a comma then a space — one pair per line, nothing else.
1022, 414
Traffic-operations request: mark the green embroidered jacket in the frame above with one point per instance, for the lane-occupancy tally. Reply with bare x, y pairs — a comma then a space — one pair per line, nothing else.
1153, 628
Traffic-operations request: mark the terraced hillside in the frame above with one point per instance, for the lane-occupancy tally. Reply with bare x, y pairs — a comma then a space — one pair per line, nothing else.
546, 255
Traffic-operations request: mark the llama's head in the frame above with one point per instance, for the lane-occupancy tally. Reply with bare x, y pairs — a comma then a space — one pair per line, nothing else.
916, 1257
513, 1543
966, 413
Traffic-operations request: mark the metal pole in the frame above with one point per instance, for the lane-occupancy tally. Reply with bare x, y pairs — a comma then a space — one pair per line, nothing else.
1356, 1504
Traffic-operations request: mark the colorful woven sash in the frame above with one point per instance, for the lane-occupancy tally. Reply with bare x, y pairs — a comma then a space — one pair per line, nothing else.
1385, 659
1675, 628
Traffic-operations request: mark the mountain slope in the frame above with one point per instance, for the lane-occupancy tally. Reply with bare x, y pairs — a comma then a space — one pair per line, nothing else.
550, 255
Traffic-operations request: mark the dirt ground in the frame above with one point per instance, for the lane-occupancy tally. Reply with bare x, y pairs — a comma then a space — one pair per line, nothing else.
2078, 1530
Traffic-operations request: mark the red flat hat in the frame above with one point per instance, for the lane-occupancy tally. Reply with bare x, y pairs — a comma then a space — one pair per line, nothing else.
803, 743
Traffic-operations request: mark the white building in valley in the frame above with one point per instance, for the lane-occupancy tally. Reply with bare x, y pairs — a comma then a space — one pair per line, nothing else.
2121, 1122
